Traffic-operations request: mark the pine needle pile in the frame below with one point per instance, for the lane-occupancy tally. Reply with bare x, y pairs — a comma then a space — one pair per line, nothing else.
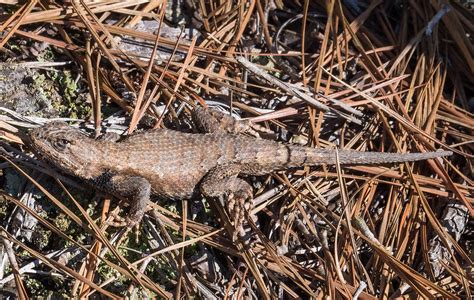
386, 76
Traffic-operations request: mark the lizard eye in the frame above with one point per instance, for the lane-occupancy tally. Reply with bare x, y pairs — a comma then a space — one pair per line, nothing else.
61, 144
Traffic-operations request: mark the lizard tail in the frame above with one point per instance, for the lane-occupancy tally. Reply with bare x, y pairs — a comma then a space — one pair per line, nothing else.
271, 156
348, 157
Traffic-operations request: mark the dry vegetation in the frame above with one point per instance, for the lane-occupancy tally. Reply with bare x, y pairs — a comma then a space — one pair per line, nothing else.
391, 76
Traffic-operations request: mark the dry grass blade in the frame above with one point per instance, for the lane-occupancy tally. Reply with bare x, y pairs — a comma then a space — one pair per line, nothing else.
138, 112
22, 293
129, 271
24, 12
58, 266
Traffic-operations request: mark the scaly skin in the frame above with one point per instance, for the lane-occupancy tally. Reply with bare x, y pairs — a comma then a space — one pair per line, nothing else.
177, 165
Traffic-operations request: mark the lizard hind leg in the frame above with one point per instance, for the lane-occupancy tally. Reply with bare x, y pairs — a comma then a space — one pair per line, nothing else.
222, 182
213, 121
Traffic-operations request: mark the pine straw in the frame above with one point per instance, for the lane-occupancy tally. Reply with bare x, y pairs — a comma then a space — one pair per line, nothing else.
388, 78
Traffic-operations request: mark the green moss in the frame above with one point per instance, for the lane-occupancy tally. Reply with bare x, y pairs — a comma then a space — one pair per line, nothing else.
35, 287
41, 238
46, 55
48, 287
62, 222
71, 106
3, 208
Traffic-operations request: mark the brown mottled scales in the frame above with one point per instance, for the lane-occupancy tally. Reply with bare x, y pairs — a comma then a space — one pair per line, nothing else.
173, 164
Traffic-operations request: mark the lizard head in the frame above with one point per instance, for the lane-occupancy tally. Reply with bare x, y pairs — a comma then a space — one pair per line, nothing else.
65, 147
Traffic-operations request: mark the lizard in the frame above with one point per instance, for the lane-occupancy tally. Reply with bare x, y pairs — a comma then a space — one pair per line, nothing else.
178, 165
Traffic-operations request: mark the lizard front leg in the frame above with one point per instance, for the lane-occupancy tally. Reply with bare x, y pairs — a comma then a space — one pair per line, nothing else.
136, 189
222, 181
213, 121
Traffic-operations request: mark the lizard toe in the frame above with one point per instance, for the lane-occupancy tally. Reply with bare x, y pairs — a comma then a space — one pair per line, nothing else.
115, 220
239, 204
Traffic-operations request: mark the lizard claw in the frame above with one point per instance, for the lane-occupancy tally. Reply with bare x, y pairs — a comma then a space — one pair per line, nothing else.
115, 220
126, 223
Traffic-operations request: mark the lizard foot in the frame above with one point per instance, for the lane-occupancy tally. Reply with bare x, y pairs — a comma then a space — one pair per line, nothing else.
213, 121
247, 126
127, 223
118, 221
239, 205
235, 194
254, 129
